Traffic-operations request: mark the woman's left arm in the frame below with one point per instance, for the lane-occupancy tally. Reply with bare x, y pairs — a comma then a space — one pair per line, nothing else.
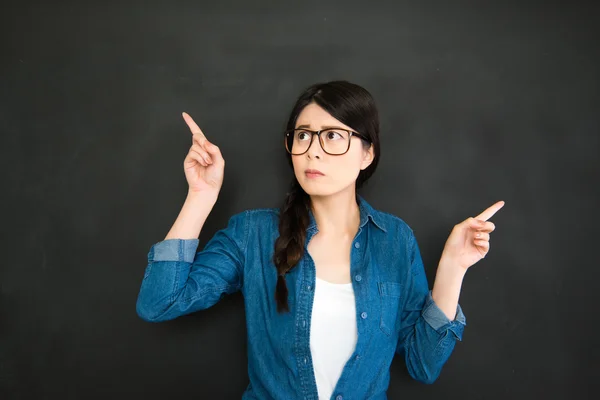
433, 320
468, 243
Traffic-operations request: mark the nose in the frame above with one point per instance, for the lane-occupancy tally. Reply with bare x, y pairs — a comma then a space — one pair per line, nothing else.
315, 149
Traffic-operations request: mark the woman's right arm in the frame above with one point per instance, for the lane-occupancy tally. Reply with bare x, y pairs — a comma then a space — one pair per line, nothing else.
178, 280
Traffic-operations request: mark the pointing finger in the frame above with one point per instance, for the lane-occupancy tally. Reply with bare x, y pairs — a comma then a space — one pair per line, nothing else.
192, 125
490, 211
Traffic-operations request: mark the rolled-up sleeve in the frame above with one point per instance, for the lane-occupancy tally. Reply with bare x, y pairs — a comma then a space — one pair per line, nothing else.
427, 336
179, 280
436, 318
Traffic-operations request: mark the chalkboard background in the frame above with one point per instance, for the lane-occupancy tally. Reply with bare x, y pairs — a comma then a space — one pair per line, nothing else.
479, 102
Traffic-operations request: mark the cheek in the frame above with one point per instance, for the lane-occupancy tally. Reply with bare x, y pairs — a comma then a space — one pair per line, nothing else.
347, 168
353, 162
296, 162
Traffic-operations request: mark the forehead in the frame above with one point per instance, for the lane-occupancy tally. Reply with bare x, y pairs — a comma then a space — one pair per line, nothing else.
314, 117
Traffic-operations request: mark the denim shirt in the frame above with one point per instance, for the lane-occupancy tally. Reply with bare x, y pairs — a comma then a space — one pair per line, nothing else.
395, 313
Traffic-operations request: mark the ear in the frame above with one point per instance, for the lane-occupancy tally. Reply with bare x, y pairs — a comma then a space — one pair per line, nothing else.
369, 155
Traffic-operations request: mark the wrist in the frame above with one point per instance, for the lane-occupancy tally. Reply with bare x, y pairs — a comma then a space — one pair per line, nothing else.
205, 197
449, 274
451, 267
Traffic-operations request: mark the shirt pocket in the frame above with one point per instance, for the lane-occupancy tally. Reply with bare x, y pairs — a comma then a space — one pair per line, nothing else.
389, 298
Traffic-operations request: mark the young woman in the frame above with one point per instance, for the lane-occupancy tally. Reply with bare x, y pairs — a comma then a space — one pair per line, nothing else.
333, 288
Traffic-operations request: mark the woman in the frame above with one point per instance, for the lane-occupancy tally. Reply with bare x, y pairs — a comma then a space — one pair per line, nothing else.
333, 288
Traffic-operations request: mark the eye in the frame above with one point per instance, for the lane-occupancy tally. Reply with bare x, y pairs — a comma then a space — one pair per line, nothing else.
332, 135
303, 135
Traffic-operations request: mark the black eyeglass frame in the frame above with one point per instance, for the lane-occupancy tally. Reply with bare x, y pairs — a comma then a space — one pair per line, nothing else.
318, 133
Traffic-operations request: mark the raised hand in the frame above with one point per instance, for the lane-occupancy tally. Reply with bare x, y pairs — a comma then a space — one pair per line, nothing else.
204, 165
469, 241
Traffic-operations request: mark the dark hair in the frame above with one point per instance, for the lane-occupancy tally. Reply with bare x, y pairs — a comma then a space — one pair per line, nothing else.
352, 105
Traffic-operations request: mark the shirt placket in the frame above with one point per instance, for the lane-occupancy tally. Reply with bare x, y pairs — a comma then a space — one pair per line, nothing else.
358, 271
304, 309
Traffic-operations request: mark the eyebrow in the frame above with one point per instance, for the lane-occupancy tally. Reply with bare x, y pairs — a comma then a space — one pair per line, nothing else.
323, 127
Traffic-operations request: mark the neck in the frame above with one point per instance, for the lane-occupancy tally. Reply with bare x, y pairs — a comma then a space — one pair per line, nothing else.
337, 214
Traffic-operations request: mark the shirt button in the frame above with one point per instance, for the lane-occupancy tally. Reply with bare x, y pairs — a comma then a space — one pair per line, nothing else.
357, 245
303, 323
339, 397
357, 357
358, 278
363, 315
305, 360
308, 287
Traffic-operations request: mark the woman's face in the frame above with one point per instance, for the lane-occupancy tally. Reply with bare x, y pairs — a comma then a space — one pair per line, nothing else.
339, 171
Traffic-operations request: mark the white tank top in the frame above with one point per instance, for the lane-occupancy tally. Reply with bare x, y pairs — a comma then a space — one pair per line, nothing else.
333, 332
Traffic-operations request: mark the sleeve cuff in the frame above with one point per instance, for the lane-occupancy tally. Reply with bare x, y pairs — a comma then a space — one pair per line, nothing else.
174, 250
436, 318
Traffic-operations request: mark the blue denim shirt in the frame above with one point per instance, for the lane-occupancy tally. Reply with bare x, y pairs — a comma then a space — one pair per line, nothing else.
395, 313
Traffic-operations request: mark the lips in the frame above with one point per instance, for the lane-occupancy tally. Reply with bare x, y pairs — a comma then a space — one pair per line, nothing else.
313, 171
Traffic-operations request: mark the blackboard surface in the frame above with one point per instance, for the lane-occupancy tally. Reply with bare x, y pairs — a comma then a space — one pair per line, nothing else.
479, 102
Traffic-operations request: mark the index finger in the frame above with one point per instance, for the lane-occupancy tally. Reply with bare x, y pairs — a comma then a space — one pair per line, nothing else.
490, 211
193, 126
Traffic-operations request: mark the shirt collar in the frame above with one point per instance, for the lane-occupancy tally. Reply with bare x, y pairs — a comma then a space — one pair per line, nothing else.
366, 212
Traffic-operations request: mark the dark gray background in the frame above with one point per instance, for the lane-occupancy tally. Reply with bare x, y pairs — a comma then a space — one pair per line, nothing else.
479, 102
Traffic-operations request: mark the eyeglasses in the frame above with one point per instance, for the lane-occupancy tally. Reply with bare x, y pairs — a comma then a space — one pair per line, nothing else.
334, 141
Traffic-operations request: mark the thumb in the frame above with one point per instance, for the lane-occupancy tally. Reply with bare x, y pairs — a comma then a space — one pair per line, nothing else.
213, 150
209, 146
477, 224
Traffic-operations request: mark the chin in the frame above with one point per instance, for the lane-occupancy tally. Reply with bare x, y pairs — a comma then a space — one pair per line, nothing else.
316, 188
